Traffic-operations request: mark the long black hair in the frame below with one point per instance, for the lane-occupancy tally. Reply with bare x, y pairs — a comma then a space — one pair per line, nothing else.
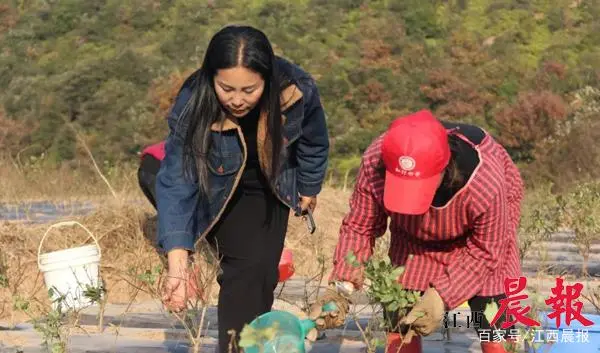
232, 46
453, 176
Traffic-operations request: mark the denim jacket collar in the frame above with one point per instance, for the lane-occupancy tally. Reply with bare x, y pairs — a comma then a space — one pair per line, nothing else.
289, 96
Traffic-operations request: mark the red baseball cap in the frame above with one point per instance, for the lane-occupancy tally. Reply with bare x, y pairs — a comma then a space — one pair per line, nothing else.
415, 152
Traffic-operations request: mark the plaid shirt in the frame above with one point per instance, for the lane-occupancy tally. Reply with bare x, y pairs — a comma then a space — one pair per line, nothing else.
464, 249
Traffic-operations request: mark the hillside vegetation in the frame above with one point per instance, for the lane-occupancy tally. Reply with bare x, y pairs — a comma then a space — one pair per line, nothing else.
528, 71
97, 78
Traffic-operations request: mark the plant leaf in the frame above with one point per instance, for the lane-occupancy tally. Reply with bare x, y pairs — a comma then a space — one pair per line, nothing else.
386, 298
491, 309
246, 342
387, 281
402, 302
247, 336
398, 271
351, 258
378, 342
393, 306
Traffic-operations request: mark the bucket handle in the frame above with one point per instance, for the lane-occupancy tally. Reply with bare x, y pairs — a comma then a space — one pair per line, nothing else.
63, 224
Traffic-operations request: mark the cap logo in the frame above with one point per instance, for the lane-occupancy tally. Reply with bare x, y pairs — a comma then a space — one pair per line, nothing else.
407, 163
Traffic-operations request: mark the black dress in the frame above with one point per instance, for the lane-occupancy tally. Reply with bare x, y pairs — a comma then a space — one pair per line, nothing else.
249, 238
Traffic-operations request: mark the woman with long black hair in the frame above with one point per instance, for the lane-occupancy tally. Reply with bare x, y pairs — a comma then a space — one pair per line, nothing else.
247, 143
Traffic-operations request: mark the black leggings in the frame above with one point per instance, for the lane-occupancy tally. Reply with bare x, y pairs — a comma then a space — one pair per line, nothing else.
147, 171
249, 249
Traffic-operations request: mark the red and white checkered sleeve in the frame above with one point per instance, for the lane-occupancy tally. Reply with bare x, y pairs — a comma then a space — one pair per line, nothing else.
365, 221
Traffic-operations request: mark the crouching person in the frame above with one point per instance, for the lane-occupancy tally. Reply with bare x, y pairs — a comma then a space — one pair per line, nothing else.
452, 195
149, 167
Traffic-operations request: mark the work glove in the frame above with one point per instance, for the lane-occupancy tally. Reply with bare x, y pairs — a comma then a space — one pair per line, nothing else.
327, 319
426, 315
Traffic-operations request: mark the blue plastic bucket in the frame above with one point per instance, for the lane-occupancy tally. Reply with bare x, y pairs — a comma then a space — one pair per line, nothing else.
290, 331
585, 339
289, 336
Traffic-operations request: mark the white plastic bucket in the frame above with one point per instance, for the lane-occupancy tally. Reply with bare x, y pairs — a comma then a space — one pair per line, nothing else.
69, 272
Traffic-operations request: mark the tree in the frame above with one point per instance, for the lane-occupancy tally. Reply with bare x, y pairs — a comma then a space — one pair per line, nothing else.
532, 119
8, 18
540, 218
571, 155
453, 97
581, 213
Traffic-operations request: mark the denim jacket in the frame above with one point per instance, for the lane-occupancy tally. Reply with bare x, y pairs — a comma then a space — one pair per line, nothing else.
183, 217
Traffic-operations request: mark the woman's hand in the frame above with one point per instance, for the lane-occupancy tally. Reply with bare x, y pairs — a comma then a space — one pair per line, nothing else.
175, 294
330, 309
308, 201
426, 315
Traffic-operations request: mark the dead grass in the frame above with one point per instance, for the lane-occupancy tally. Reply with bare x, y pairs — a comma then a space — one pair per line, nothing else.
125, 227
32, 180
119, 230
